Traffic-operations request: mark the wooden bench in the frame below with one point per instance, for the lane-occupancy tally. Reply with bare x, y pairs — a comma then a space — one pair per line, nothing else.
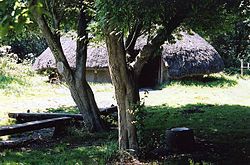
27, 117
59, 124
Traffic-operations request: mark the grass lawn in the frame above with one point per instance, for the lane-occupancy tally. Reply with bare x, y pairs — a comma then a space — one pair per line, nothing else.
74, 149
224, 102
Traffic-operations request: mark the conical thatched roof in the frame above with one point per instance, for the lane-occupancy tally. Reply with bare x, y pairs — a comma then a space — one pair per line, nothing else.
189, 56
97, 56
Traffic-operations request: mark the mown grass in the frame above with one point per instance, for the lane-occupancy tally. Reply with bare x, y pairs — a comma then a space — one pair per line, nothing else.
22, 89
223, 99
59, 155
221, 81
78, 148
223, 125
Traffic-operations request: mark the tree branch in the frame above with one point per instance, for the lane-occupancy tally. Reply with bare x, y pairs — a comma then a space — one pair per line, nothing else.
132, 37
149, 50
82, 43
131, 40
54, 44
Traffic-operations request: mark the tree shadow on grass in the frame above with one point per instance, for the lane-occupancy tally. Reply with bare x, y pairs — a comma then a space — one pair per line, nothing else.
209, 81
61, 153
78, 146
223, 126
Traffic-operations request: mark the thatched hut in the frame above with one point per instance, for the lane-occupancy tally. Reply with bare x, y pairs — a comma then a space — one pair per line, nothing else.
189, 56
96, 65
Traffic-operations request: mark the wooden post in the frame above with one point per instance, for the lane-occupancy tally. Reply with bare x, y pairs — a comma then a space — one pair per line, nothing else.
241, 67
160, 72
248, 67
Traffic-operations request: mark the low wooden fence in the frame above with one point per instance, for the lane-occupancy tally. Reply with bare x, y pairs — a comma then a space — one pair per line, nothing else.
243, 66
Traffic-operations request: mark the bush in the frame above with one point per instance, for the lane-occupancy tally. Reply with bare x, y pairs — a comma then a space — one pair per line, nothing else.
14, 77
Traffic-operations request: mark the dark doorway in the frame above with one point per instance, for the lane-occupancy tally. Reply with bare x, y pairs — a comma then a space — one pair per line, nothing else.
149, 74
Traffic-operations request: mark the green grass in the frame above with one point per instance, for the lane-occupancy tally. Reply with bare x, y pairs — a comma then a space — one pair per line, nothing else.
224, 98
102, 87
222, 125
71, 150
216, 122
71, 109
228, 90
58, 155
221, 81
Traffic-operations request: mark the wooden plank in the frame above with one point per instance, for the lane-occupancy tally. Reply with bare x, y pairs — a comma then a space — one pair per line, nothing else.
26, 117
34, 125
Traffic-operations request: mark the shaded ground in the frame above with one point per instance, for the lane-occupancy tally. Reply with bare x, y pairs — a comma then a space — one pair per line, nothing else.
222, 133
77, 148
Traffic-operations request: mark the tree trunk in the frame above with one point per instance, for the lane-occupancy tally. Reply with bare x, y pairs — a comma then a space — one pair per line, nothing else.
126, 91
85, 101
76, 80
125, 74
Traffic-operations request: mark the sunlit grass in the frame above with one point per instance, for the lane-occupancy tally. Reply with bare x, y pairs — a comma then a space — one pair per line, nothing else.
227, 90
102, 87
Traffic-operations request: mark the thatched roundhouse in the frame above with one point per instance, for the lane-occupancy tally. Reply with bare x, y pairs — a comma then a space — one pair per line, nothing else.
189, 56
96, 65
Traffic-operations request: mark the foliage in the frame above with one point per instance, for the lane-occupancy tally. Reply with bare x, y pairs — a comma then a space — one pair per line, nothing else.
234, 45
15, 15
123, 15
228, 34
13, 77
19, 30
26, 45
18, 17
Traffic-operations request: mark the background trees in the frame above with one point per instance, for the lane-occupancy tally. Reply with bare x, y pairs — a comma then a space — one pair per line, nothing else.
229, 33
18, 31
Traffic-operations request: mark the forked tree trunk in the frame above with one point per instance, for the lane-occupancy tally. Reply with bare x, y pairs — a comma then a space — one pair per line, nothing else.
126, 91
85, 101
76, 80
125, 74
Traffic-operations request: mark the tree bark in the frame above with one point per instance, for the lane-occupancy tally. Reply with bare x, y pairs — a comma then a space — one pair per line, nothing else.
85, 101
126, 91
125, 76
76, 80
